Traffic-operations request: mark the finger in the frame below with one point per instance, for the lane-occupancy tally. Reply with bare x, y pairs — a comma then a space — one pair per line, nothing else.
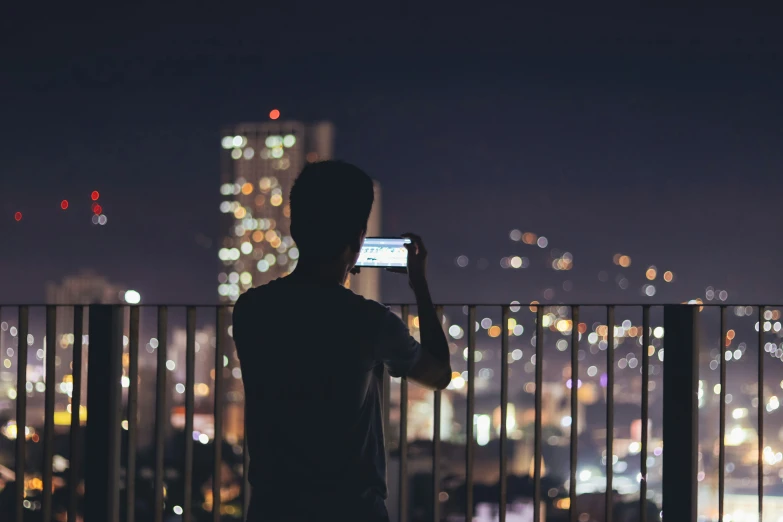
355, 270
415, 239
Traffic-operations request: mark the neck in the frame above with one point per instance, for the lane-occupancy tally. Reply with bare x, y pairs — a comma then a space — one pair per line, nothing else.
321, 271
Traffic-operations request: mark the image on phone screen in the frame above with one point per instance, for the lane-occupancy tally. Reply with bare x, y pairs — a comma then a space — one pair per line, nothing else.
384, 252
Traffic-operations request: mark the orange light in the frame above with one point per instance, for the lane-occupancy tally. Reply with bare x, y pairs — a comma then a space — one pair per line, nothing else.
247, 188
95, 195
18, 216
668, 276
64, 204
494, 331
730, 334
274, 114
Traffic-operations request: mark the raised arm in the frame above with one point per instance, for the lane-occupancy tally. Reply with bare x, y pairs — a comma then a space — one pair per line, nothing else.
433, 367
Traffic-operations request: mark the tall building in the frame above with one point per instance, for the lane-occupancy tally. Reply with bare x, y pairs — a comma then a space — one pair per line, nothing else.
260, 162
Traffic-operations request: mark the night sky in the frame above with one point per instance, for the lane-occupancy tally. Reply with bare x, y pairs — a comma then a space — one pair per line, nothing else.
656, 133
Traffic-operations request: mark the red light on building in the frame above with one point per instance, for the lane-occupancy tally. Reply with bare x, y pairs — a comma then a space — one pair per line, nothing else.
64, 204
274, 114
95, 195
96, 208
18, 216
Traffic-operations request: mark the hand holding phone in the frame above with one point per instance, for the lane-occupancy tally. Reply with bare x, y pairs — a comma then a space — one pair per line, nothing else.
384, 252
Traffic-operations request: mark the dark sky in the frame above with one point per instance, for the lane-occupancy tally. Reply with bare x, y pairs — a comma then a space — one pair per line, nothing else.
657, 133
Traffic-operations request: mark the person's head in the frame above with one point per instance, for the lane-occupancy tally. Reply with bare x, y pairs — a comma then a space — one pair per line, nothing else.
330, 206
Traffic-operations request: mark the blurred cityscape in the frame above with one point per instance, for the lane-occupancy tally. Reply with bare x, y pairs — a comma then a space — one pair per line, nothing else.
259, 162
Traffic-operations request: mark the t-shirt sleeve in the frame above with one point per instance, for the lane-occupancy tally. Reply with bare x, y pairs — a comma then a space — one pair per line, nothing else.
395, 347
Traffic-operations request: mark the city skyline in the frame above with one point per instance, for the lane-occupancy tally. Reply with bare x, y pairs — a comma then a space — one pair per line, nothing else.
667, 152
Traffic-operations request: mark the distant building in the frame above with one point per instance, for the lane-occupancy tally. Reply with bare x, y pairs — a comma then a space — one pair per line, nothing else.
260, 162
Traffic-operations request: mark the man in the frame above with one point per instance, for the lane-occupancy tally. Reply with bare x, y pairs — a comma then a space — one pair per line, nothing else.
312, 354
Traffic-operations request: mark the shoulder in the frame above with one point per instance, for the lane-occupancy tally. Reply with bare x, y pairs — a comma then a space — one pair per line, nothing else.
252, 297
367, 306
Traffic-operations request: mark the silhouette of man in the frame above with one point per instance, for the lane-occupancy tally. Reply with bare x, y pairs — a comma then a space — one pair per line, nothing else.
312, 355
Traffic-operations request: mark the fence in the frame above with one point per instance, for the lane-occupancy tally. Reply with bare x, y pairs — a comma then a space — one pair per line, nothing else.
104, 482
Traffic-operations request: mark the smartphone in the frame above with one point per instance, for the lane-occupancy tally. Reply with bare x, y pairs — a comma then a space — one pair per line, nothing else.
384, 252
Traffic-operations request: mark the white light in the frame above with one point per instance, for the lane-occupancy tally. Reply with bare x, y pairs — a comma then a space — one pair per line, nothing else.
227, 142
239, 141
455, 331
249, 152
293, 253
246, 278
565, 421
289, 141
203, 438
262, 266
170, 365
177, 510
634, 448
483, 424
180, 388
273, 141
585, 475
658, 332
517, 354
102, 219
125, 381
246, 247
542, 242
739, 413
132, 297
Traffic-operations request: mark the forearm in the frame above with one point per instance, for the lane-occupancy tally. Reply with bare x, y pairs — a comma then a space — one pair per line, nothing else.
433, 338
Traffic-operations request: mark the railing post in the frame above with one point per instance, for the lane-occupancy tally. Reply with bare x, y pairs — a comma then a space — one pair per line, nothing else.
102, 437
680, 412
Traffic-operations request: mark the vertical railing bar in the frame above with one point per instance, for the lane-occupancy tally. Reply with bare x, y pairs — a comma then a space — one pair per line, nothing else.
436, 448
503, 500
21, 409
760, 410
471, 408
403, 479
386, 398
573, 513
217, 462
49, 381
722, 426
76, 403
190, 384
609, 411
539, 381
645, 411
133, 413
160, 412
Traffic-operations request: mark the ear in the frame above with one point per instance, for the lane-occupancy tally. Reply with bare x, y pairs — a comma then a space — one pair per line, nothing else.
356, 245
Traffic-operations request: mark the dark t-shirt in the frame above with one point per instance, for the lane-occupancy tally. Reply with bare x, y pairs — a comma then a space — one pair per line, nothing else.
312, 358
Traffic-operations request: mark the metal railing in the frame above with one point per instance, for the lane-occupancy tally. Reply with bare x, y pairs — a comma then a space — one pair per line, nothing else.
101, 471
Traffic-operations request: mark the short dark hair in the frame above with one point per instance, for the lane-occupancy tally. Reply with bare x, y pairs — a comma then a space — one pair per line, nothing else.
330, 205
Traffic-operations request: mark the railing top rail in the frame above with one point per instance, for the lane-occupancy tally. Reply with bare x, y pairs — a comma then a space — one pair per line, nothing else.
520, 304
